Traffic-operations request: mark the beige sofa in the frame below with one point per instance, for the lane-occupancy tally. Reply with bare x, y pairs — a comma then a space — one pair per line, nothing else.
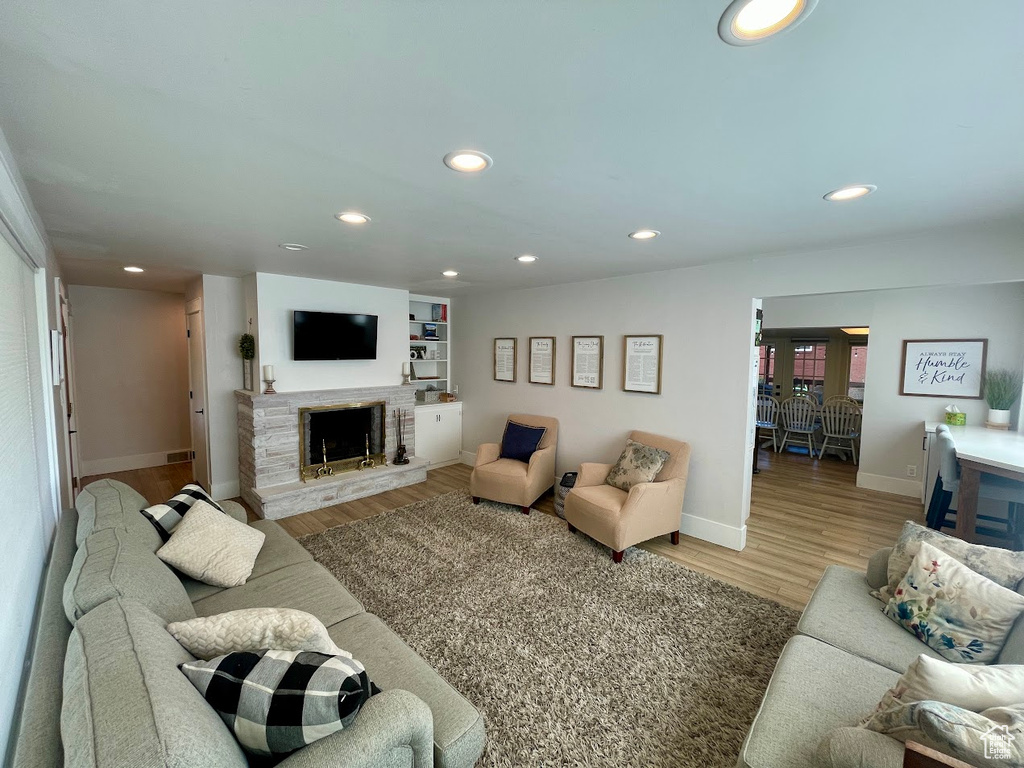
834, 672
515, 482
108, 692
619, 519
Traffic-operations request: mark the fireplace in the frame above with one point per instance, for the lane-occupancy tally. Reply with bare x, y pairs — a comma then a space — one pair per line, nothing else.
337, 438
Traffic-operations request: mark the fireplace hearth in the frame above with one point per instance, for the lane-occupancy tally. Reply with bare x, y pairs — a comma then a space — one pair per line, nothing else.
341, 438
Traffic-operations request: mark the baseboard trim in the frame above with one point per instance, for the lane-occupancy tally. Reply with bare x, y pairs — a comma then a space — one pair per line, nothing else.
469, 457
717, 533
228, 490
124, 463
886, 484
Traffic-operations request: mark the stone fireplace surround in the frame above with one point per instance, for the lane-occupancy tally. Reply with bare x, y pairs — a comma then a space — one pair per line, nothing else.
269, 454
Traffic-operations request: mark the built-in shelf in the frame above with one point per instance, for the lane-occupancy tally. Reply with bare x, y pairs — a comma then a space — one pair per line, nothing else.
422, 308
432, 322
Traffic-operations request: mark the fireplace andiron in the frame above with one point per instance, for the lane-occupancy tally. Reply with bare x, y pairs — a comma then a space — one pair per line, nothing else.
324, 470
367, 463
400, 457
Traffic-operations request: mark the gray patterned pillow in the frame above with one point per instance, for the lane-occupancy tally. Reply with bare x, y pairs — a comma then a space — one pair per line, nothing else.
638, 463
1002, 566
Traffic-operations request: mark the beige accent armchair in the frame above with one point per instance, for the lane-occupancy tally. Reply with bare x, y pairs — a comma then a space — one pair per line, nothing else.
515, 482
618, 519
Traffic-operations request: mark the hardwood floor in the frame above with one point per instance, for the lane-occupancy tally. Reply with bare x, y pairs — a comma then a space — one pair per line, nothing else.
805, 514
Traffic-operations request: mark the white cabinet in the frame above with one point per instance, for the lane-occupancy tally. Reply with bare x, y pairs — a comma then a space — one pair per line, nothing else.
439, 432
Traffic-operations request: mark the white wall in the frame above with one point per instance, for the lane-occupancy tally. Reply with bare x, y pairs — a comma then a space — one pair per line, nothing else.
28, 514
892, 423
704, 313
131, 363
224, 316
279, 295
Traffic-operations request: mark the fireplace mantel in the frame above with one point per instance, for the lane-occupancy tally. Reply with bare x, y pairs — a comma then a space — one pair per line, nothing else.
269, 455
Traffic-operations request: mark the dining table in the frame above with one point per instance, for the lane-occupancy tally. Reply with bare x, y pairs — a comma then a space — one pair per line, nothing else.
983, 450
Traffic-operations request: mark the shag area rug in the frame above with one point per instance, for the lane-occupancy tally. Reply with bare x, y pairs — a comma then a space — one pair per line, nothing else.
574, 660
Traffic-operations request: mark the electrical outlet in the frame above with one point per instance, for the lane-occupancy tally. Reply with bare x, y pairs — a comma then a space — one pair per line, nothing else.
911, 470
455, 389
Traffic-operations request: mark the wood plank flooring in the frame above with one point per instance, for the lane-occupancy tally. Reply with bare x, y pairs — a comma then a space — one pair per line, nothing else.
805, 514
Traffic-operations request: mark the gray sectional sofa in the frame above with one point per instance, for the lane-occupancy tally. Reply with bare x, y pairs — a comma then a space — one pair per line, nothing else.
107, 691
834, 672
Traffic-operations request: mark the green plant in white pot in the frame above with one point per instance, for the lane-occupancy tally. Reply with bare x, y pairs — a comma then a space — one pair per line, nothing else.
1002, 388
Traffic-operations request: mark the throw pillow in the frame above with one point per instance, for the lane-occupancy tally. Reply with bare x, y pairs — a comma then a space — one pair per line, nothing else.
1004, 567
520, 441
212, 547
990, 739
165, 517
250, 629
638, 463
276, 702
952, 609
976, 687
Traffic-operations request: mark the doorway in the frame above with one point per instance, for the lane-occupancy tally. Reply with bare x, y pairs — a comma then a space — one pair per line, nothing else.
812, 381
195, 331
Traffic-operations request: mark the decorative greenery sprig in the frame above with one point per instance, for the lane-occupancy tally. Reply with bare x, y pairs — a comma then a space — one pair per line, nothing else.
247, 346
1002, 388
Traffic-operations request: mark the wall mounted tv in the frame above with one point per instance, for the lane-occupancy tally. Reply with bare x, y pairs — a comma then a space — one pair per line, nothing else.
334, 336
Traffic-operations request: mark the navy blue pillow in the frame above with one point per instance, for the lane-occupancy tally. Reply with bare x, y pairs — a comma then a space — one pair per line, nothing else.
520, 441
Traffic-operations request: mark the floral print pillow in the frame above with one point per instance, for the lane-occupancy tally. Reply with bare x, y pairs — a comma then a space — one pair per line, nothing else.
962, 615
990, 739
1004, 567
638, 463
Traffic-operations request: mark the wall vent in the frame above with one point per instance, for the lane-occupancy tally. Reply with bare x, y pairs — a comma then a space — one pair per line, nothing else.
174, 458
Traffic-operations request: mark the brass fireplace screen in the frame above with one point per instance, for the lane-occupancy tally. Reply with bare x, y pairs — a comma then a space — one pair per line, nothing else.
340, 438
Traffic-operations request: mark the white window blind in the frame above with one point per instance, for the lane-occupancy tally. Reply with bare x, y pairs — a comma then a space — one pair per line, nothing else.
25, 517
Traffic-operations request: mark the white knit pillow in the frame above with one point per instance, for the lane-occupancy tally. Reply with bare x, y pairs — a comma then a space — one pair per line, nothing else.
253, 629
212, 547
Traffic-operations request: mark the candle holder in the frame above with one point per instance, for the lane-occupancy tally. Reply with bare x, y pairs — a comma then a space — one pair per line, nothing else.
405, 379
270, 387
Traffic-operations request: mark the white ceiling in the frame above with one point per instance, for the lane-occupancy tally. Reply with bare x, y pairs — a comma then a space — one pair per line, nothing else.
196, 136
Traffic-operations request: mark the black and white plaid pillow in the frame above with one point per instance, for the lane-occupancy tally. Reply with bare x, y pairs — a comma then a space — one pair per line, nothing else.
276, 702
165, 517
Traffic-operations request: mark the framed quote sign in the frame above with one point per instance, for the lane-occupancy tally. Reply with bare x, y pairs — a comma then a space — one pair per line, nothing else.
641, 364
542, 359
587, 362
943, 368
505, 360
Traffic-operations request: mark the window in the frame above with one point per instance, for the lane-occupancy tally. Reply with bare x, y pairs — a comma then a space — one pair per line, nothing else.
858, 367
766, 369
809, 370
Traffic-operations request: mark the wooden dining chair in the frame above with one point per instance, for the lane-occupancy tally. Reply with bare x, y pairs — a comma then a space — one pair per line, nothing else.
768, 418
799, 421
840, 424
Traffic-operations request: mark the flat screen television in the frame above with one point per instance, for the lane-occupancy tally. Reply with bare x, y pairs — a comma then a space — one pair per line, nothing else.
334, 336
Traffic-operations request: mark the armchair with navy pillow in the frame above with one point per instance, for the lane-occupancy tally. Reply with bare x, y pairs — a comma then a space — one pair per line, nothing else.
519, 469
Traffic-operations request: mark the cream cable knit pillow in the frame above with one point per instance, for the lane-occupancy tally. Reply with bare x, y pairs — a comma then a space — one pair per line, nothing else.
212, 547
253, 629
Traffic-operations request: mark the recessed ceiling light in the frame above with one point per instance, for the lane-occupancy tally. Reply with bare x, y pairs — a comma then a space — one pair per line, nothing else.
450, 273
746, 22
851, 192
467, 161
134, 269
294, 247
352, 217
526, 259
644, 234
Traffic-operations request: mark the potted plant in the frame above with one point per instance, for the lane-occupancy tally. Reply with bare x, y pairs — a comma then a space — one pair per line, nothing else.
1002, 388
247, 349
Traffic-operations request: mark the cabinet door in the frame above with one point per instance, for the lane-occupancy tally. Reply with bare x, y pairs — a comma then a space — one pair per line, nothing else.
426, 434
449, 435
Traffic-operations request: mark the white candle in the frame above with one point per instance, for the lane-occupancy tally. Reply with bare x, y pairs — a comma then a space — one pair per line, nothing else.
268, 373
405, 369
